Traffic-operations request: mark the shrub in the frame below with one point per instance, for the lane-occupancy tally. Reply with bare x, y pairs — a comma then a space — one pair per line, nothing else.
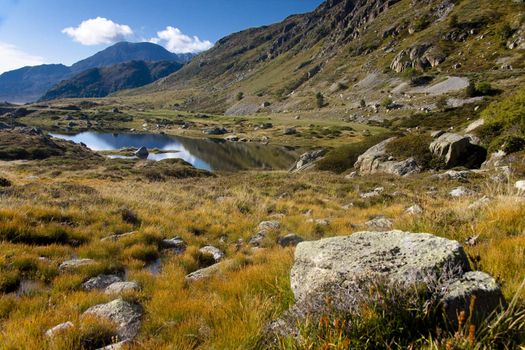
413, 145
480, 89
508, 144
504, 32
240, 96
343, 158
387, 102
319, 98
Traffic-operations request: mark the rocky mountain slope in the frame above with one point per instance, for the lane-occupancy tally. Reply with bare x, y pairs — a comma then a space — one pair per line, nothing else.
100, 82
30, 83
348, 50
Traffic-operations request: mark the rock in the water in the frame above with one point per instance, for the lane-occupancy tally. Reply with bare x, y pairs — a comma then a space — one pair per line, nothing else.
100, 282
176, 244
75, 264
459, 293
379, 223
142, 152
308, 160
460, 192
269, 225
290, 240
50, 333
125, 315
122, 287
217, 254
414, 210
457, 150
204, 273
376, 160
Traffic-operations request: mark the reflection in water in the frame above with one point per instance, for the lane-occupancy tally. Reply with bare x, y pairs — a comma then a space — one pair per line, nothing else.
207, 154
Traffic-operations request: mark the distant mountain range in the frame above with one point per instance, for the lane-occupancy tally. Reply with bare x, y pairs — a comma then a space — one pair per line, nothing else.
31, 83
100, 82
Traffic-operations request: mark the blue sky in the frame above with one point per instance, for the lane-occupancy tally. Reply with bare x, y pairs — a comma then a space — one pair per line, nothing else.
65, 31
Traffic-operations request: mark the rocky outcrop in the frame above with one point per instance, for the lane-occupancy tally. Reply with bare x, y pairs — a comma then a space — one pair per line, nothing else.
377, 160
457, 150
126, 316
419, 57
307, 160
517, 41
342, 269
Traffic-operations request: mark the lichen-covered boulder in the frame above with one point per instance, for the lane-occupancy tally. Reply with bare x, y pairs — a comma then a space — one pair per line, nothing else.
126, 316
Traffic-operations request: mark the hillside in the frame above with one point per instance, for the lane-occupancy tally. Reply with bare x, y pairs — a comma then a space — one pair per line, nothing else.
349, 50
100, 82
30, 83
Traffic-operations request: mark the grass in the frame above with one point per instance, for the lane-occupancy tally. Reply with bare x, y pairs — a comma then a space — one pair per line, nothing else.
231, 310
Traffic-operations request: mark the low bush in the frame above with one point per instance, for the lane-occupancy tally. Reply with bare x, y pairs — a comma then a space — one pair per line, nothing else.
344, 157
416, 146
508, 144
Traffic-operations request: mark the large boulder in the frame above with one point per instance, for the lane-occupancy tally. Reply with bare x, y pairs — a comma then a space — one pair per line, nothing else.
126, 316
342, 269
307, 160
377, 160
458, 150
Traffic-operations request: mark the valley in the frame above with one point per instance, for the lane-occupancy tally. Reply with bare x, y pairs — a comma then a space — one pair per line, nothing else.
348, 178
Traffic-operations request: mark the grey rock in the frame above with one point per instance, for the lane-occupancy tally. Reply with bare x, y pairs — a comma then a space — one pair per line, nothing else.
436, 134
257, 239
50, 333
461, 192
100, 282
204, 273
289, 131
461, 175
480, 203
520, 186
116, 237
290, 240
400, 258
308, 160
421, 57
216, 131
376, 160
272, 225
458, 296
117, 346
176, 244
379, 223
414, 210
122, 287
125, 315
217, 254
474, 125
457, 150
142, 152
75, 264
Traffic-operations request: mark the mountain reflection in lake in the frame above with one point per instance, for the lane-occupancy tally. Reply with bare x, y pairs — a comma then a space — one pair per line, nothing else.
208, 154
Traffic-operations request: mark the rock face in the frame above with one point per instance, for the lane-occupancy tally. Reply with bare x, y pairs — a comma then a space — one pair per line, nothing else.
307, 160
376, 160
125, 315
457, 150
342, 269
420, 57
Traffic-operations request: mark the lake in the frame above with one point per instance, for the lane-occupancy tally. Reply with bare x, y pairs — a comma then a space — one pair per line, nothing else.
202, 153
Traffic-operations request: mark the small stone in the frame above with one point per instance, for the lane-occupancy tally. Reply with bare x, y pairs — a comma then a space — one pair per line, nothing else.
472, 240
290, 240
520, 186
379, 223
75, 263
50, 333
461, 192
414, 210
269, 225
217, 254
204, 273
100, 282
176, 244
122, 287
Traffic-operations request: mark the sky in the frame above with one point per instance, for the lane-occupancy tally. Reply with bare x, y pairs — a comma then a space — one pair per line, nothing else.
65, 31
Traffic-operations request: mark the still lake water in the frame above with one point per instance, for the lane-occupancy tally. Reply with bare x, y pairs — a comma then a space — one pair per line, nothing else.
207, 154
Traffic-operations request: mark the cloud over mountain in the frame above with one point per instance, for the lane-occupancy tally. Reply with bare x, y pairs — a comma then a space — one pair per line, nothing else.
178, 42
98, 31
12, 57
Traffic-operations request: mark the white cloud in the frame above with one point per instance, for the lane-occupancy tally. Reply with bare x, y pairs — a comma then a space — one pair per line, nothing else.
98, 31
12, 57
178, 42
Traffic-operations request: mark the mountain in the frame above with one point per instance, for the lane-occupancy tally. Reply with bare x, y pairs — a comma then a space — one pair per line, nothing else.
100, 82
30, 83
125, 52
347, 50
